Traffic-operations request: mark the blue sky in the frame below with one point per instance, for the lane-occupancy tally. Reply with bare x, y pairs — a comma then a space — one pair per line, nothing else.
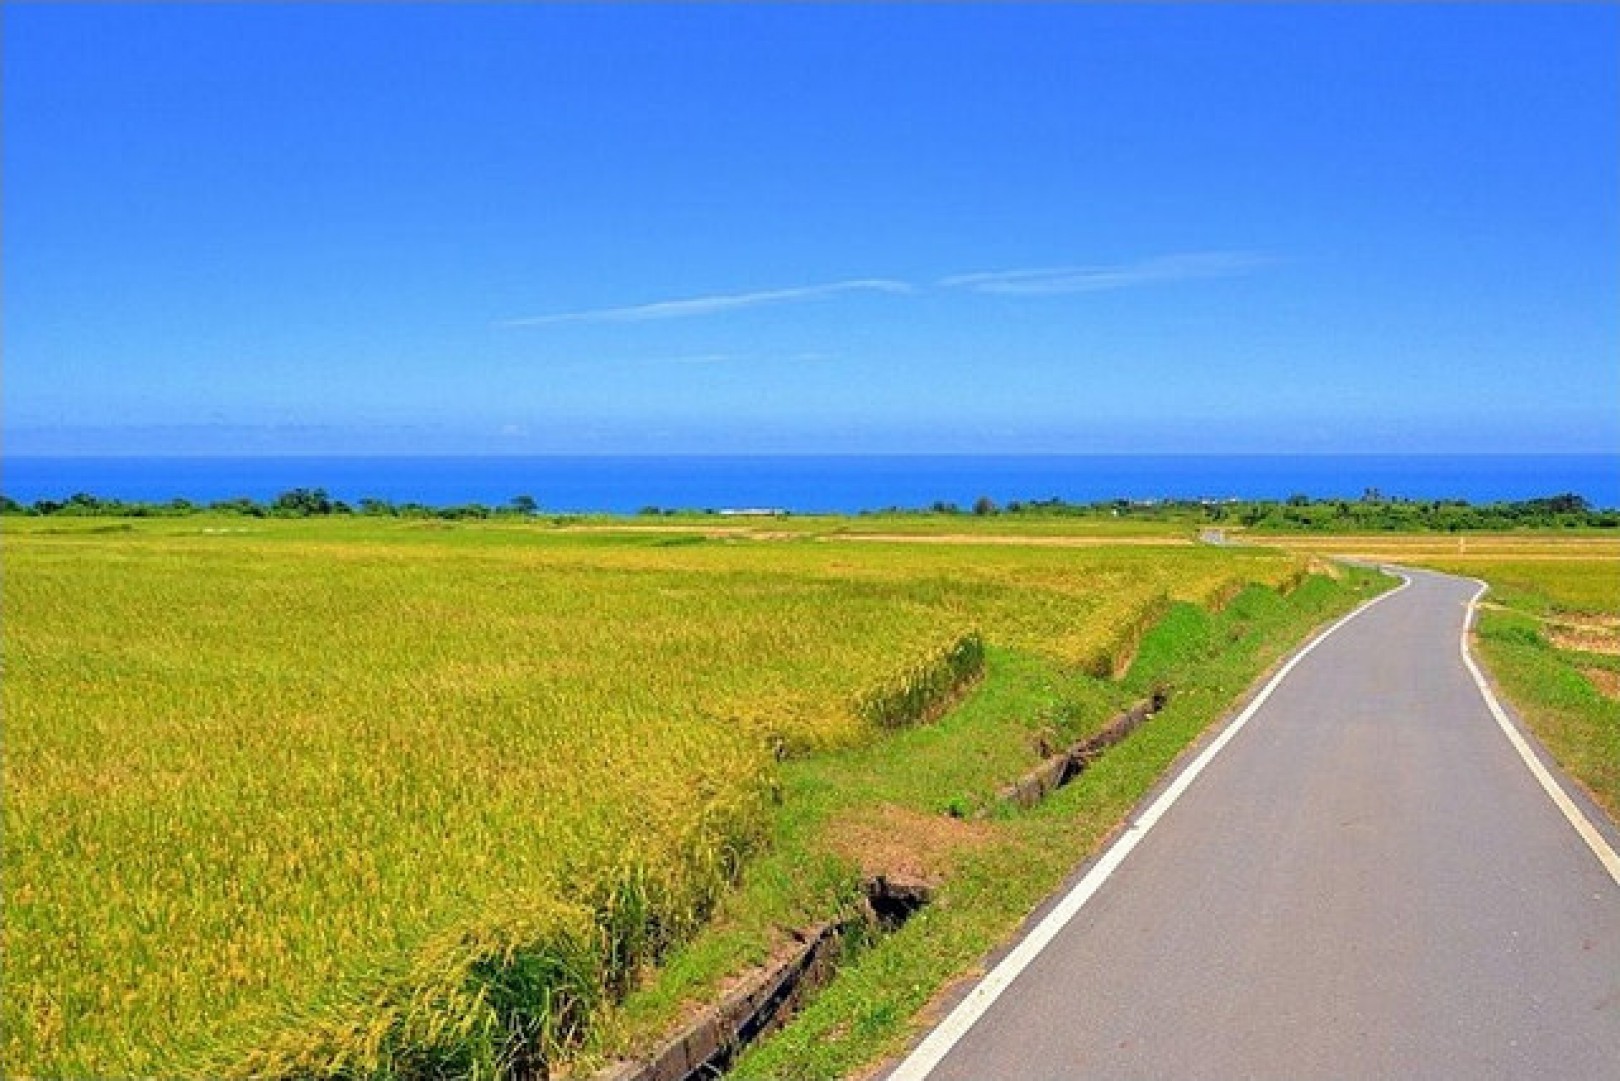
515, 229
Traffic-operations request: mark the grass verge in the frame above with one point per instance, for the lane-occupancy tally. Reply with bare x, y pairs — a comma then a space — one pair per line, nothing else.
1555, 691
921, 804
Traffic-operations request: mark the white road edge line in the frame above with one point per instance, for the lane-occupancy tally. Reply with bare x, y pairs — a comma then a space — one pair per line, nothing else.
933, 1049
1583, 826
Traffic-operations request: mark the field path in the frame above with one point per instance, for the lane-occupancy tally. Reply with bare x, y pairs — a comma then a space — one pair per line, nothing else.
1367, 881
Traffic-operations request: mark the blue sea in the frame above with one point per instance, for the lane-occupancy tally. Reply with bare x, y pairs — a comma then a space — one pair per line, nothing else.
818, 483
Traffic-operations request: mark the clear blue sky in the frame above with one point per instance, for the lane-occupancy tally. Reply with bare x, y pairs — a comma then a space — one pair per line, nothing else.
539, 229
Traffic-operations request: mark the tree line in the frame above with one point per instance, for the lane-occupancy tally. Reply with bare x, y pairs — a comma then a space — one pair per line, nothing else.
293, 503
1372, 513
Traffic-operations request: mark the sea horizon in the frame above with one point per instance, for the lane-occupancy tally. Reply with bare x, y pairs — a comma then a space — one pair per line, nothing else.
815, 483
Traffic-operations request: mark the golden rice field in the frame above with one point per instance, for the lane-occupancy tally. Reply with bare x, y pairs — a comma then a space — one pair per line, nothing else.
305, 798
1579, 572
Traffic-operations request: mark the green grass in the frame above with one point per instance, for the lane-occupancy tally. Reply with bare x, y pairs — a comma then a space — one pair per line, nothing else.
381, 798
1551, 687
889, 807
1580, 726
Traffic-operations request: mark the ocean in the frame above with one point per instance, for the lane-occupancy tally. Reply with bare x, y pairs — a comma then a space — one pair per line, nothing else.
806, 484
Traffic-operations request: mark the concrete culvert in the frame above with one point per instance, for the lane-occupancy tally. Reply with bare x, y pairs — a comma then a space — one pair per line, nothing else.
896, 898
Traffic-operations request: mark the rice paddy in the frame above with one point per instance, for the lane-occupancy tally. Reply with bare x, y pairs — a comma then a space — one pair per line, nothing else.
1579, 572
351, 798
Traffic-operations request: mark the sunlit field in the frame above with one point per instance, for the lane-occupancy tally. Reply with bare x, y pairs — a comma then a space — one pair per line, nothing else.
288, 797
1580, 572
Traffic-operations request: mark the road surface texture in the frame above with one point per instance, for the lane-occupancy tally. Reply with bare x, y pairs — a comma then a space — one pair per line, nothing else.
1367, 881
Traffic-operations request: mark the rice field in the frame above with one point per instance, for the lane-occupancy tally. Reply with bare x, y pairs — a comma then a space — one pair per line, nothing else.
320, 799
1578, 573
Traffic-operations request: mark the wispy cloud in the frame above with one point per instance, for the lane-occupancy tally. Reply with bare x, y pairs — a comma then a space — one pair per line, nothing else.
1039, 281
1051, 281
710, 305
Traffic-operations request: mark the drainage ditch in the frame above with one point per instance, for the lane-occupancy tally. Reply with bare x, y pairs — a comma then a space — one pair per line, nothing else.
769, 998
765, 1001
1059, 769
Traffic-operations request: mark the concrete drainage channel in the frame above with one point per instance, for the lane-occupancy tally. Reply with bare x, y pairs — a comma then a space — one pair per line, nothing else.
769, 998
1061, 768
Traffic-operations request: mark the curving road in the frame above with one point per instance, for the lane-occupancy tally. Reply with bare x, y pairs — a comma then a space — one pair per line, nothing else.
1366, 881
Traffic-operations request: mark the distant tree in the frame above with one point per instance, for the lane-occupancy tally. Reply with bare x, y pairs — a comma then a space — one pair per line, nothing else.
80, 503
302, 503
239, 505
1567, 503
376, 508
9, 505
525, 504
984, 506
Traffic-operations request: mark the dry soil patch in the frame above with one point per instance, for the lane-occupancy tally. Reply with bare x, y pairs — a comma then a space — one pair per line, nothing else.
910, 844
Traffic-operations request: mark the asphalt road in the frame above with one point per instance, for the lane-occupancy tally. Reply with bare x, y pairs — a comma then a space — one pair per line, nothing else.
1367, 881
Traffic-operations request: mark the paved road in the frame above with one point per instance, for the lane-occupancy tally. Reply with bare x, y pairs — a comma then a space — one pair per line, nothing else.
1366, 882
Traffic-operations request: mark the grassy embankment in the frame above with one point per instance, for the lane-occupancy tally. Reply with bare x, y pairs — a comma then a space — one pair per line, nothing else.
375, 797
991, 872
1548, 633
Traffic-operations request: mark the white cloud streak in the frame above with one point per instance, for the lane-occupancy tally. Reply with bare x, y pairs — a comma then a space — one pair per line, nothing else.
1054, 281
710, 305
1038, 281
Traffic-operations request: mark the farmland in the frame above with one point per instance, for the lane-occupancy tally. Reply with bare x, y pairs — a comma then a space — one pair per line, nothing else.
306, 797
